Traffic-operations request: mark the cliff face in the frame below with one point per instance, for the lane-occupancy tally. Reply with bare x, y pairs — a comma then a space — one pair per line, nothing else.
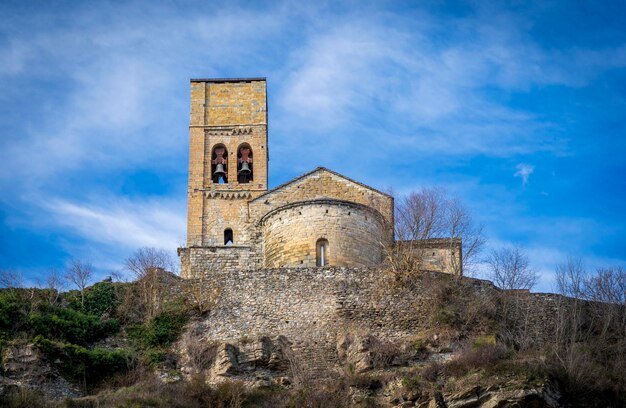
24, 367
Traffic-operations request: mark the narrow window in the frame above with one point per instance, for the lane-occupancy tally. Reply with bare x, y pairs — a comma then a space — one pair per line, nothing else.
228, 237
245, 172
321, 252
219, 165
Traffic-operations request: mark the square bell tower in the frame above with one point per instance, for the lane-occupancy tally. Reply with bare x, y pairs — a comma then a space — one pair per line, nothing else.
228, 157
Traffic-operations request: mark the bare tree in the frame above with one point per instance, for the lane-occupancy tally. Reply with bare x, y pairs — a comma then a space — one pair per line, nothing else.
145, 264
509, 269
80, 274
589, 342
608, 286
10, 279
431, 214
55, 285
143, 260
571, 276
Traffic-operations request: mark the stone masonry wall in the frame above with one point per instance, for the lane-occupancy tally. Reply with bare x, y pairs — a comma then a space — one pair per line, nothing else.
323, 183
311, 306
355, 234
228, 112
206, 261
437, 254
292, 301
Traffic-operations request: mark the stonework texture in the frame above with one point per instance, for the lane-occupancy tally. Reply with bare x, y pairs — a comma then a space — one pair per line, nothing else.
355, 234
313, 307
280, 227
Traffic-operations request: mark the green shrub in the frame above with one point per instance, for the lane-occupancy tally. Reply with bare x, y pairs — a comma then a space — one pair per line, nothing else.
101, 299
81, 364
447, 316
70, 325
161, 331
155, 357
12, 312
481, 341
412, 383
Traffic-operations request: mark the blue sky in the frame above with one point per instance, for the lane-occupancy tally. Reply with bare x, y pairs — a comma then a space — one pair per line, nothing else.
518, 108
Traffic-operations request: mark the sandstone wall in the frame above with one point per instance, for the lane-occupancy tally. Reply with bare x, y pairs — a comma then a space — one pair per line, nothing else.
206, 261
227, 112
436, 254
323, 183
355, 234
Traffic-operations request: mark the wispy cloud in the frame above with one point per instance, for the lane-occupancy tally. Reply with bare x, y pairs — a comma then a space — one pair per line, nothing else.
122, 223
116, 110
443, 96
523, 171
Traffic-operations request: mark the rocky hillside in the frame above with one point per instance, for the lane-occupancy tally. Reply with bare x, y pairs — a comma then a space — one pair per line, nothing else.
145, 343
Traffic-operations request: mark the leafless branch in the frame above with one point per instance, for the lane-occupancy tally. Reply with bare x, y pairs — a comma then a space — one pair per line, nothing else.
510, 269
80, 274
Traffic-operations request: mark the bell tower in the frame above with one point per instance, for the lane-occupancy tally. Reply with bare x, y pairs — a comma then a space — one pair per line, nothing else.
228, 157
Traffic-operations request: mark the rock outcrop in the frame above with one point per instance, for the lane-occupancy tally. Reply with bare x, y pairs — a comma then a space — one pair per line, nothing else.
545, 396
355, 351
24, 367
270, 357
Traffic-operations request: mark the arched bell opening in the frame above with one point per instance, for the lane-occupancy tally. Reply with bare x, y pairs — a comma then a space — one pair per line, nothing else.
321, 252
219, 164
228, 237
245, 171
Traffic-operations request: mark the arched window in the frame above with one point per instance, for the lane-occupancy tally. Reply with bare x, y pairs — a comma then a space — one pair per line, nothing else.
228, 237
219, 164
321, 251
245, 172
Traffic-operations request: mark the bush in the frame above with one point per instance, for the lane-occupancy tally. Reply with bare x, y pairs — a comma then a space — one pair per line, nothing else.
412, 383
70, 325
161, 331
12, 311
101, 299
23, 397
82, 365
201, 353
478, 355
432, 372
383, 352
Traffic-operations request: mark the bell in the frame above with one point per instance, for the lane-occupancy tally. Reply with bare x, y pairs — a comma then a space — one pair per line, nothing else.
245, 169
219, 171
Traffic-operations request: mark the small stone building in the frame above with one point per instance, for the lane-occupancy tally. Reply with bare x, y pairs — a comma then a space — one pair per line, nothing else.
321, 218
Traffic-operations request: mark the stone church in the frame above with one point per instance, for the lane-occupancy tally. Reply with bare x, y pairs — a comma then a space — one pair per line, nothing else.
321, 218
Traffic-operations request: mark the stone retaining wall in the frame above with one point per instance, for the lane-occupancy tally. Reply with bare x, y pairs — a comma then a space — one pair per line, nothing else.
315, 304
312, 307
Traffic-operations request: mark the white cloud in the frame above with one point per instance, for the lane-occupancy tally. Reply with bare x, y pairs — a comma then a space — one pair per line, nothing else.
122, 223
370, 82
418, 94
123, 82
523, 171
